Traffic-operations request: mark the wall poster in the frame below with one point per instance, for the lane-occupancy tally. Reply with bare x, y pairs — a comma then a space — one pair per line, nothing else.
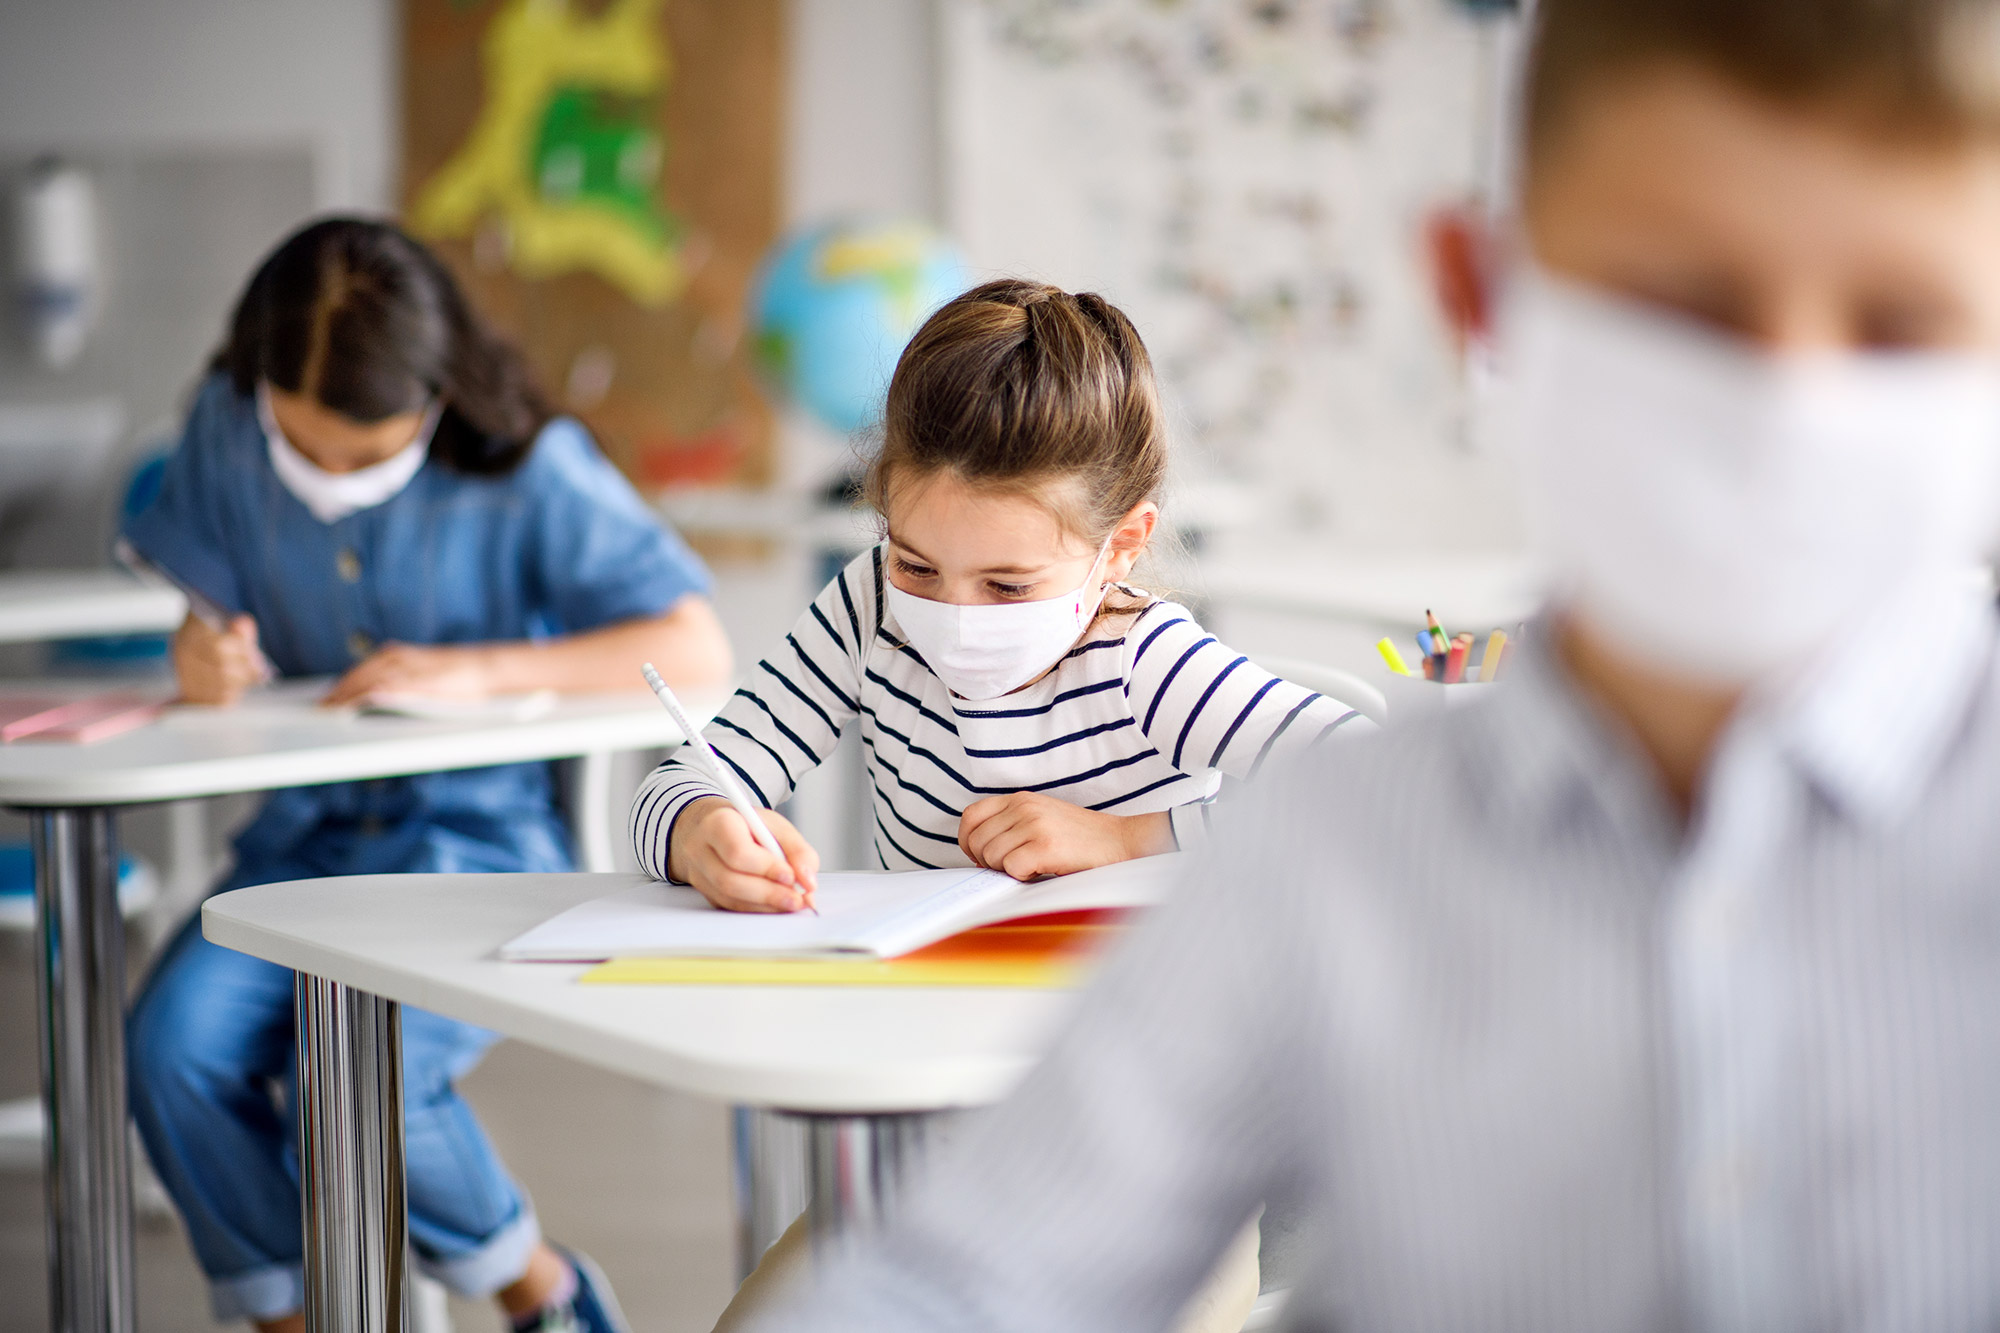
604, 175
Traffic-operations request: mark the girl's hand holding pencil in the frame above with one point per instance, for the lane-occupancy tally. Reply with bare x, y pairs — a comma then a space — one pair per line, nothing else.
739, 857
714, 850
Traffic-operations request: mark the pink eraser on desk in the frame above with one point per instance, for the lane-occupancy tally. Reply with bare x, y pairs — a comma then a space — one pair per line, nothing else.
26, 714
99, 718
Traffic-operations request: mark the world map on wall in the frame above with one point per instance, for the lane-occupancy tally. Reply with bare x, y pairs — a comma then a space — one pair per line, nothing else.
1248, 178
566, 154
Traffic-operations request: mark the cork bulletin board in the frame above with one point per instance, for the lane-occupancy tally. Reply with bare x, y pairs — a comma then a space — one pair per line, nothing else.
604, 176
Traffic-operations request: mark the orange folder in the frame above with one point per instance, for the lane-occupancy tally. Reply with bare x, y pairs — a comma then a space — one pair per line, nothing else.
1052, 952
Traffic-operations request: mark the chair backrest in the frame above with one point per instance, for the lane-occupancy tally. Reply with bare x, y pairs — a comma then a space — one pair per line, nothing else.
1340, 686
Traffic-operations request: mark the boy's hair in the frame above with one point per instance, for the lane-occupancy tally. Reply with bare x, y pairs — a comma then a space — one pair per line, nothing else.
1927, 69
1025, 388
363, 319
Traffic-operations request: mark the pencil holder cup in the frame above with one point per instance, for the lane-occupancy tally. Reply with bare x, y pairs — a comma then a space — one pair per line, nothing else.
1412, 696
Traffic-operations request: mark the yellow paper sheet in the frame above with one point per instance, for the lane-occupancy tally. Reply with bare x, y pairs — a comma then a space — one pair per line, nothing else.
1023, 957
1027, 975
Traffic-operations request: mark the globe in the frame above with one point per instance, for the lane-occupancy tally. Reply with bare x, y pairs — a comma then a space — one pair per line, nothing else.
834, 305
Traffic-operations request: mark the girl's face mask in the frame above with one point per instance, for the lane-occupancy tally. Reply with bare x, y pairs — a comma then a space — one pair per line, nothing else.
1724, 513
983, 652
332, 496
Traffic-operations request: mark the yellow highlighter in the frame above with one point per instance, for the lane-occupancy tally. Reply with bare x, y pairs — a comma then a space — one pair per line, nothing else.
1395, 659
1489, 665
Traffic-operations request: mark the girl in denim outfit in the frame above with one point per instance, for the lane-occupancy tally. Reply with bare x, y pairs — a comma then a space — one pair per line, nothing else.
371, 484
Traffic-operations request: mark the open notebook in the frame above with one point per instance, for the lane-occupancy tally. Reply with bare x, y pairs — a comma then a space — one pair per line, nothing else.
861, 915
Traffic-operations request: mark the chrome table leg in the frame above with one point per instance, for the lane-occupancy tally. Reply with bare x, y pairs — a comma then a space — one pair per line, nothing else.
80, 967
772, 1181
351, 1160
857, 1164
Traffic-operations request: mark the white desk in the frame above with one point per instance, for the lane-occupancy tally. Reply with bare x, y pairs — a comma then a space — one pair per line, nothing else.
863, 1066
71, 794
280, 740
38, 605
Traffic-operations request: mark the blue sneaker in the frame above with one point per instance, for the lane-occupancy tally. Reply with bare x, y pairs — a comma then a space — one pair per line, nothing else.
591, 1308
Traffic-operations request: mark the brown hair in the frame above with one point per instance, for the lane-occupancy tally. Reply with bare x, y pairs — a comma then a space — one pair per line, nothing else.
1026, 389
1926, 69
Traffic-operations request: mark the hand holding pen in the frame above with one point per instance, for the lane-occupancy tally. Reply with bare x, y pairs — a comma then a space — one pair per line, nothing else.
703, 755
216, 654
215, 666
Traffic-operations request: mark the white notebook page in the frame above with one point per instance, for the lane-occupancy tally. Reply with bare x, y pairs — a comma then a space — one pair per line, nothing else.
881, 914
858, 913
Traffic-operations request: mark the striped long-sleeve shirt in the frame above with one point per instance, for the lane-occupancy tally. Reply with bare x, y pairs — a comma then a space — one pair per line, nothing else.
1147, 713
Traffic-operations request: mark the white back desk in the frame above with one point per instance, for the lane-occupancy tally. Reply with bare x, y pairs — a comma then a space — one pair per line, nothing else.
38, 605
72, 793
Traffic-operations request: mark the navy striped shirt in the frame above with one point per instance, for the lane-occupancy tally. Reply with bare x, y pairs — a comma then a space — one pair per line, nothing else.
1147, 713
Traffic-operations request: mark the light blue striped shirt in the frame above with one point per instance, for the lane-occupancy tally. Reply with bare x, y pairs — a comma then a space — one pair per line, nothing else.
1532, 1053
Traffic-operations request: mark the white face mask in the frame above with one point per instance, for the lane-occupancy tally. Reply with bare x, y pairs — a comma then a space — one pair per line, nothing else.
1724, 514
332, 496
983, 652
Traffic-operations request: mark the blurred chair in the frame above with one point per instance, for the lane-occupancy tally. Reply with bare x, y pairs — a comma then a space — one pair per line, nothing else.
1340, 686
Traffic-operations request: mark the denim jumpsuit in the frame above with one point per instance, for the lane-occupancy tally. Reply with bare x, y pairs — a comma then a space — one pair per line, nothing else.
559, 545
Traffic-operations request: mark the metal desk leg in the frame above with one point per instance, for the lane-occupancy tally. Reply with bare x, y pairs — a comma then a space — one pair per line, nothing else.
590, 818
772, 1180
80, 964
351, 1159
857, 1163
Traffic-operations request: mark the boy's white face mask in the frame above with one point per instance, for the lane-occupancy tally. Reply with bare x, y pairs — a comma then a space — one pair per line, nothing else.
982, 652
1723, 514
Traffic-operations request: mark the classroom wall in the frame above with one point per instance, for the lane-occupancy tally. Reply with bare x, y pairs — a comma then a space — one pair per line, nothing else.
215, 125
179, 74
864, 121
210, 128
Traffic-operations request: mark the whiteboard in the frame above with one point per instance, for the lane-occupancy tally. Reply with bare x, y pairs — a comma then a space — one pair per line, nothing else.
1248, 181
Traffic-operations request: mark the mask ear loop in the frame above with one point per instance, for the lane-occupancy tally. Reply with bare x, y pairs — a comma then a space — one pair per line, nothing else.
1095, 566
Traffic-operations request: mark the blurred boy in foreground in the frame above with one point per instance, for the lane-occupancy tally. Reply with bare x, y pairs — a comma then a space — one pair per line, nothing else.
1663, 990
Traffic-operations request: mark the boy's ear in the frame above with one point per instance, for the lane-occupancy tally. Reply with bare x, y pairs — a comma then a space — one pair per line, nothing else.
1459, 243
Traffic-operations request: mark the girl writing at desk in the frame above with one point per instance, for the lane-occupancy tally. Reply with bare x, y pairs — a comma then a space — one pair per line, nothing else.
1022, 707
370, 482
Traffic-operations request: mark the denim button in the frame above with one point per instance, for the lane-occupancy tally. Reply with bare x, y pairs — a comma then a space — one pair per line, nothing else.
359, 645
348, 566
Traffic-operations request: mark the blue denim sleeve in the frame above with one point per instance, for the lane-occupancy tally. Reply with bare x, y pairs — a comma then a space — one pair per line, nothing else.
185, 529
600, 555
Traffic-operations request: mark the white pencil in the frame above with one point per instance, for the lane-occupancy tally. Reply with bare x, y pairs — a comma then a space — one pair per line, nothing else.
719, 772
